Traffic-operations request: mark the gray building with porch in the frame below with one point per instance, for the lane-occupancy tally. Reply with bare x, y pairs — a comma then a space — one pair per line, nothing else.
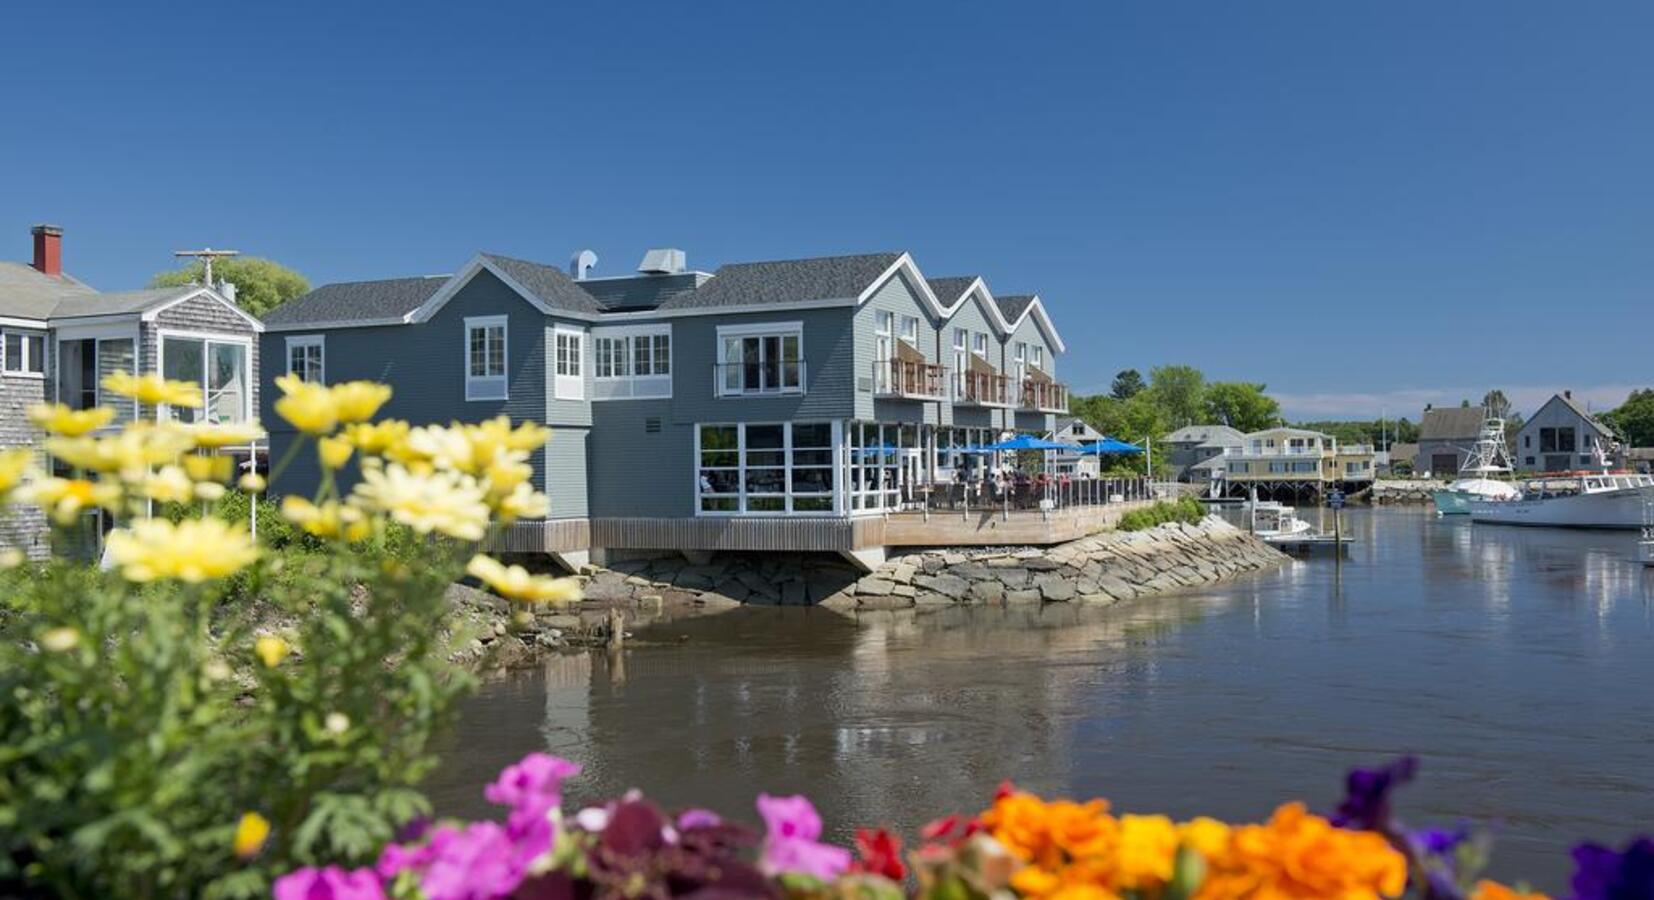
778, 405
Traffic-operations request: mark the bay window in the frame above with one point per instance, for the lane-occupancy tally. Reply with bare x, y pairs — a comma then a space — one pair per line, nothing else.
485, 358
760, 359
765, 469
220, 367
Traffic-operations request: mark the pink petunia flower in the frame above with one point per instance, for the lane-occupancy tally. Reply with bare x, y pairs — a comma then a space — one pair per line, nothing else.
331, 883
792, 844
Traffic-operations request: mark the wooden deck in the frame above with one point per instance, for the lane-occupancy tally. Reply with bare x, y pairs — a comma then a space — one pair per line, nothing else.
907, 529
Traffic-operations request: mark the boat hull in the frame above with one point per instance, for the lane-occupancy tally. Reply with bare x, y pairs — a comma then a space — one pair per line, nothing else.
1621, 509
1452, 503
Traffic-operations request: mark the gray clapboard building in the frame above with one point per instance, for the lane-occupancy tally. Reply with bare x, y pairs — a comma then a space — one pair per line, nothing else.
1562, 435
778, 405
60, 337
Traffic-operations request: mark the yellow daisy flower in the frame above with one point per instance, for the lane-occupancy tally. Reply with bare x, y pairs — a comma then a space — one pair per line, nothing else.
358, 401
57, 418
309, 407
271, 650
193, 550
217, 469
226, 434
64, 499
330, 520
152, 389
250, 835
131, 452
169, 484
376, 437
516, 583
334, 452
444, 502
14, 464
524, 502
252, 483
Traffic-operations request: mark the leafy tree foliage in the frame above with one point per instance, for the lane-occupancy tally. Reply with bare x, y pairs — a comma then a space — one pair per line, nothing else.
1634, 419
1180, 392
260, 284
1241, 405
1127, 384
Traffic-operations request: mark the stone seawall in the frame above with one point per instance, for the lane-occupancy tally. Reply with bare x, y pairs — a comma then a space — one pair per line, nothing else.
1103, 568
1386, 493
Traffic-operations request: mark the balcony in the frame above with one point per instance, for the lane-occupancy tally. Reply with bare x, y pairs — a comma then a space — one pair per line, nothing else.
761, 378
981, 389
1044, 396
909, 380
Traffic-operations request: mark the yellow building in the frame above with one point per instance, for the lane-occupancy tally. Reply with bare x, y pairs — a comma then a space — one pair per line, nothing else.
1294, 461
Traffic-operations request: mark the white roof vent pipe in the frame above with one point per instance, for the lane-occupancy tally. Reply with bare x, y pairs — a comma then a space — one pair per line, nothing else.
582, 263
664, 261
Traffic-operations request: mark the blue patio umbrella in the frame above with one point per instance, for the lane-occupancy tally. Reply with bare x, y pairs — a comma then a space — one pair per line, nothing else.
1110, 447
1028, 442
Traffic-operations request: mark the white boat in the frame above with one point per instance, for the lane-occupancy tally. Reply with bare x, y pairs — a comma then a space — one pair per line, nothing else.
1586, 500
1477, 477
1276, 520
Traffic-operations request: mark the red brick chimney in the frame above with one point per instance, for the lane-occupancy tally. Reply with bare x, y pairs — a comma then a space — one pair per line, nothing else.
48, 249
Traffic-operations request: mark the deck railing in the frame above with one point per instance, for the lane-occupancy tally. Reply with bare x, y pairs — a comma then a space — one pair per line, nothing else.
1032, 494
982, 389
904, 378
1045, 396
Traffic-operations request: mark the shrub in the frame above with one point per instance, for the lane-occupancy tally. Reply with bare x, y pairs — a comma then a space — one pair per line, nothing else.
158, 737
1187, 510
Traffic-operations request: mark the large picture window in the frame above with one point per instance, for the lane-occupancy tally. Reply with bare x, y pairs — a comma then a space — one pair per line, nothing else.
765, 469
485, 358
760, 361
222, 370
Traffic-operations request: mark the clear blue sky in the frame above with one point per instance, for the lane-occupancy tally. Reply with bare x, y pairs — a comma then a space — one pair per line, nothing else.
1361, 205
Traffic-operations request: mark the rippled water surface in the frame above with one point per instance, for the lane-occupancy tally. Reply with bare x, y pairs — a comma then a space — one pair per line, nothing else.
1518, 663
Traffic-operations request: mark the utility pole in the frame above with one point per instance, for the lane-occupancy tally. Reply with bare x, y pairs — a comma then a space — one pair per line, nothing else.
206, 255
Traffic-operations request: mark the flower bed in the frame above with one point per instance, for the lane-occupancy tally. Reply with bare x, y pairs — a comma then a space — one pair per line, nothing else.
1021, 845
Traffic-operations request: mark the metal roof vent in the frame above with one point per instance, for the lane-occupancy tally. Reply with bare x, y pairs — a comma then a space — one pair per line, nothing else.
583, 262
664, 261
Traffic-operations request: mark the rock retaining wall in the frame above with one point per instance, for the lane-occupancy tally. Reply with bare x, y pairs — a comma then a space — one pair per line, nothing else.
1402, 492
1102, 568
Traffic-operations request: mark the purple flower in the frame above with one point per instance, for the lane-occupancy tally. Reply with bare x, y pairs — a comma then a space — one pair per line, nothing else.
792, 843
1366, 805
331, 883
537, 778
477, 863
1602, 874
698, 818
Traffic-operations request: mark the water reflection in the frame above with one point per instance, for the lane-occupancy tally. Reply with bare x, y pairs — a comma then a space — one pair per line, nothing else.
1516, 661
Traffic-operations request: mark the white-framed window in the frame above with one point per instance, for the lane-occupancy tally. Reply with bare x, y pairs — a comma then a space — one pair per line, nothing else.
486, 349
631, 362
23, 354
305, 358
83, 362
760, 359
910, 330
1021, 359
751, 468
1039, 357
568, 345
979, 344
220, 364
876, 452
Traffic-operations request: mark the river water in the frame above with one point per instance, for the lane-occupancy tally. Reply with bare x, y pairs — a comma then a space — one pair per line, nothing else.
1519, 664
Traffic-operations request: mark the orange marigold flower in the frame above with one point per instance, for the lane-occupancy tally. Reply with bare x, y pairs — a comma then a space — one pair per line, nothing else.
1148, 852
1493, 890
1301, 855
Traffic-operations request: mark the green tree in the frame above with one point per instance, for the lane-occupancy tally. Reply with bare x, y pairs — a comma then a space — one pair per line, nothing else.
1241, 405
1497, 404
1179, 391
260, 284
1127, 384
1634, 419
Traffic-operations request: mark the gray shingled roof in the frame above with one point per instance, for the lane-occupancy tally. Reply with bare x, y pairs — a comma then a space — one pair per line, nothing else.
389, 298
787, 281
948, 290
119, 302
1223, 435
551, 284
28, 294
633, 292
1455, 423
1014, 306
